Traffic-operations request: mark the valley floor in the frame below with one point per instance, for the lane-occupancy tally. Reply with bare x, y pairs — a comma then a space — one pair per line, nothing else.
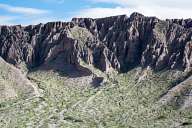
121, 101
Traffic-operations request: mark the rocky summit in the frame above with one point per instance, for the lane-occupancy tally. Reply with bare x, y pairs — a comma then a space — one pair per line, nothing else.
120, 71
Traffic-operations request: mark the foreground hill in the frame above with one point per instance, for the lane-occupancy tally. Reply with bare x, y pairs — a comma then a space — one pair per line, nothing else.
123, 100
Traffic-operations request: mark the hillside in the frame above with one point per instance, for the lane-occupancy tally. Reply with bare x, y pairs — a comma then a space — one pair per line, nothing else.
14, 83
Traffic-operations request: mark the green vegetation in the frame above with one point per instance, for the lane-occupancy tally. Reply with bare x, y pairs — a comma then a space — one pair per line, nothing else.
123, 101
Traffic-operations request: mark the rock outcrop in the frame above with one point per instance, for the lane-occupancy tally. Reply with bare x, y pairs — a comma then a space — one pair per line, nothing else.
117, 42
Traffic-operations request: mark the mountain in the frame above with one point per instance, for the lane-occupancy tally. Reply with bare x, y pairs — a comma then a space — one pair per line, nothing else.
116, 71
118, 42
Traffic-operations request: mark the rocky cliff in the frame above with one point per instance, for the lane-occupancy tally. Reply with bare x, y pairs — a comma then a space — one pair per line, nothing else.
118, 42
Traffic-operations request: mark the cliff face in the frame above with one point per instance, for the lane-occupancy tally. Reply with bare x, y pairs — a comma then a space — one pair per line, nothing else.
118, 42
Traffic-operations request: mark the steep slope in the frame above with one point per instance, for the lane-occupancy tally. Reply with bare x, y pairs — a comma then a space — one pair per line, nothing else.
118, 42
14, 84
180, 95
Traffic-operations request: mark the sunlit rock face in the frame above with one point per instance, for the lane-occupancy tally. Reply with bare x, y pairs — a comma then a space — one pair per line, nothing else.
119, 43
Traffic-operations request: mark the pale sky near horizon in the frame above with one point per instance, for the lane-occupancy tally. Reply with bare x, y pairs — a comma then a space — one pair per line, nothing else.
41, 11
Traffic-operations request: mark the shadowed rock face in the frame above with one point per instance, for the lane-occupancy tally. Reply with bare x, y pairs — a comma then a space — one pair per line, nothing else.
118, 42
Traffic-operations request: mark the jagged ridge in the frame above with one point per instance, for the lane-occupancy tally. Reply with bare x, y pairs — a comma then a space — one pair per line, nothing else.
117, 42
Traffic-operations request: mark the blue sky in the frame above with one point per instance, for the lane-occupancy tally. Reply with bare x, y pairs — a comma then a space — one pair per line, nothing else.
35, 11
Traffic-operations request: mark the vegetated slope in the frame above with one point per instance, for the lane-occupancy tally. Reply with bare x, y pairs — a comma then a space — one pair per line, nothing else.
124, 100
14, 84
